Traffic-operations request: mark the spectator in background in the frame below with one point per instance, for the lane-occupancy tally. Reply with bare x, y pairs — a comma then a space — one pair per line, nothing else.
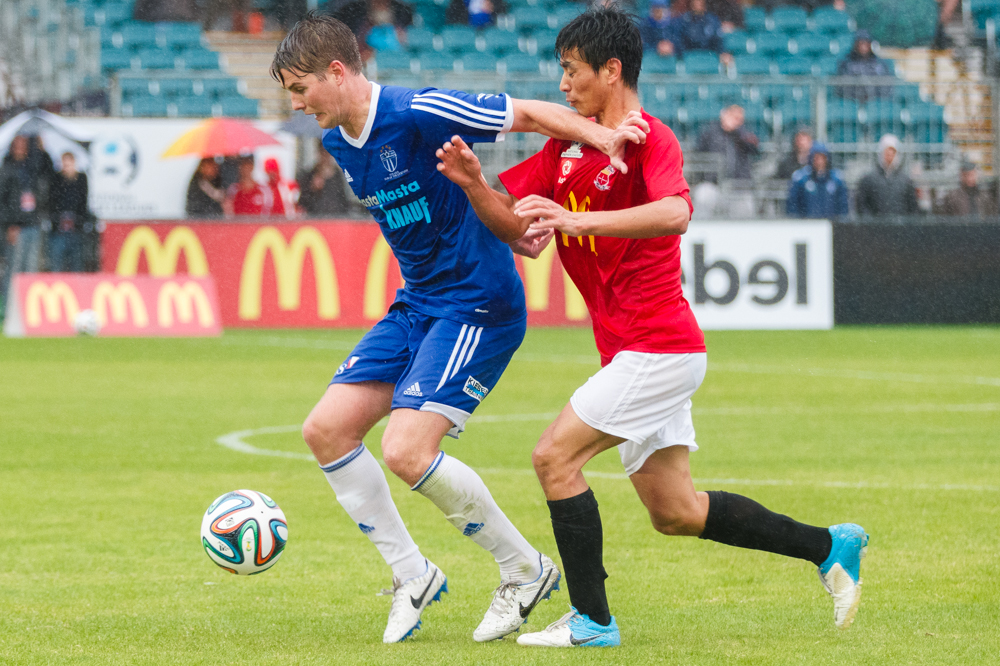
808, 5
289, 12
655, 28
247, 197
475, 13
799, 156
379, 25
205, 193
695, 30
164, 10
282, 195
729, 12
817, 191
737, 146
213, 9
323, 193
969, 199
68, 207
887, 190
21, 191
862, 62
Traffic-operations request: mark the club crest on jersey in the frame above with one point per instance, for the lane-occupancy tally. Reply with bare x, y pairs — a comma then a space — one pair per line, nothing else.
388, 157
603, 180
475, 389
573, 152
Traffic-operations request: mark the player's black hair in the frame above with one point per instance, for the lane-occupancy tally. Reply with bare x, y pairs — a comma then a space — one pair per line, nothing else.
312, 44
603, 33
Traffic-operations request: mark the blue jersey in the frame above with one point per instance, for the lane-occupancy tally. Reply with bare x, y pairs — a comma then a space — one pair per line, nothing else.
453, 266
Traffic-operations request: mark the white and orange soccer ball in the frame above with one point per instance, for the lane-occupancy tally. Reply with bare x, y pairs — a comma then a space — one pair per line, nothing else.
244, 532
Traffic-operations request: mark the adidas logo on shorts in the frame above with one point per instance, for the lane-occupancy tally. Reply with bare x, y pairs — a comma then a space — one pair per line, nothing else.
414, 391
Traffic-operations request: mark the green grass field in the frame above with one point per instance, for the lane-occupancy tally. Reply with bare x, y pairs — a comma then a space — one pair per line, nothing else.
110, 457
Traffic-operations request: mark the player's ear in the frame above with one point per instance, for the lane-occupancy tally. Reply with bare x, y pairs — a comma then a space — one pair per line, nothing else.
612, 70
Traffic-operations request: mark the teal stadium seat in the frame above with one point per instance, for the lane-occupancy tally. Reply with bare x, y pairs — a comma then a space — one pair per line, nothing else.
826, 66
735, 42
547, 91
652, 94
389, 61
796, 65
701, 62
842, 120
420, 40
812, 44
200, 59
925, 123
193, 107
501, 42
479, 62
145, 107
179, 36
545, 44
459, 39
563, 14
113, 59
653, 63
530, 19
882, 116
907, 93
753, 65
791, 20
521, 63
222, 86
842, 44
768, 44
436, 61
756, 120
137, 35
239, 107
157, 59
830, 20
724, 94
171, 87
755, 19
795, 113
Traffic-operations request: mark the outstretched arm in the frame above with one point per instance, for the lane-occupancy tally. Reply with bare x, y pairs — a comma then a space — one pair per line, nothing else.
559, 122
666, 217
496, 210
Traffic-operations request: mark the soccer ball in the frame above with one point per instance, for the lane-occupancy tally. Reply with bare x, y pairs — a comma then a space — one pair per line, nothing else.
244, 532
87, 323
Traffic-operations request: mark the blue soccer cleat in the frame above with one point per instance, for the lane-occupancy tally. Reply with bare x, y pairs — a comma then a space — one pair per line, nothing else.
841, 572
574, 630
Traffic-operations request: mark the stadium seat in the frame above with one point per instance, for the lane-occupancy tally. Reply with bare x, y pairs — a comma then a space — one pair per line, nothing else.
925, 123
735, 42
200, 59
882, 116
826, 66
791, 20
459, 39
156, 59
194, 107
179, 36
842, 44
828, 19
112, 59
479, 62
116, 13
907, 93
812, 44
544, 43
501, 42
652, 94
753, 65
530, 19
768, 43
755, 19
436, 61
239, 107
547, 91
665, 110
842, 120
563, 14
757, 120
220, 86
795, 113
797, 65
392, 60
172, 87
145, 107
652, 63
701, 62
725, 93
521, 63
138, 35
134, 87
420, 40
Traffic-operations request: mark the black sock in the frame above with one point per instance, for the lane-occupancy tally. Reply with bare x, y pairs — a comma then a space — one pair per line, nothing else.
739, 521
576, 523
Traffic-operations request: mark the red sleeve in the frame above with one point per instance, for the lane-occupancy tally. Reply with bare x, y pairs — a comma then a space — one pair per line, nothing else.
535, 175
663, 165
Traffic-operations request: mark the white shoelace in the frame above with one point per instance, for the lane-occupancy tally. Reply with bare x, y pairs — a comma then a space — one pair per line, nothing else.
503, 598
563, 620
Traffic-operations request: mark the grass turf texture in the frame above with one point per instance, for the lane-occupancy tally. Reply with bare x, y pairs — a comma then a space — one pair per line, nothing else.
109, 460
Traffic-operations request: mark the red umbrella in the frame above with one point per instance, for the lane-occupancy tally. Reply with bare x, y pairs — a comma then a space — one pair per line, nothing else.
220, 136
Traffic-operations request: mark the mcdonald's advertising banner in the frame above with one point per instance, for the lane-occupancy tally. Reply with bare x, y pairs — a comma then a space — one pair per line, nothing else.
49, 304
342, 274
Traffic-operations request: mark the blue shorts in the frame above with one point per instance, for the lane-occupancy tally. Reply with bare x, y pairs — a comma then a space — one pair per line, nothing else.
437, 365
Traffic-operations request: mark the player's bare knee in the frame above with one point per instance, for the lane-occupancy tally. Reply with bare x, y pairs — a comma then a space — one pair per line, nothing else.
676, 520
550, 462
313, 434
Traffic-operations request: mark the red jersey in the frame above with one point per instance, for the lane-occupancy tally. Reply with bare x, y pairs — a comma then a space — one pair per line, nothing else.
632, 286
250, 201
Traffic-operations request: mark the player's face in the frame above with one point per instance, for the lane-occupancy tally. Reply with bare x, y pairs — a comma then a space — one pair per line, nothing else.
586, 90
314, 96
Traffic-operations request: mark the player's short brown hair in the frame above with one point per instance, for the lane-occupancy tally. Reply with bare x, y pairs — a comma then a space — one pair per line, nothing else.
312, 44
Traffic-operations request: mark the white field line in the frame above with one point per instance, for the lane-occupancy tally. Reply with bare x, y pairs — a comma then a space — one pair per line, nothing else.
236, 441
746, 368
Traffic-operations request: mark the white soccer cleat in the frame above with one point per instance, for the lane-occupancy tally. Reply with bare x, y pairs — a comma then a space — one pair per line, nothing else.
841, 572
512, 603
574, 630
409, 599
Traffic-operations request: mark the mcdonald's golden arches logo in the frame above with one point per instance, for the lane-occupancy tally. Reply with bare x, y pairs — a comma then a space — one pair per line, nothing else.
43, 298
162, 257
186, 300
119, 299
289, 260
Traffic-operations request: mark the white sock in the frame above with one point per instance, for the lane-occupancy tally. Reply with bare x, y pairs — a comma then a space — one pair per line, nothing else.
458, 491
361, 488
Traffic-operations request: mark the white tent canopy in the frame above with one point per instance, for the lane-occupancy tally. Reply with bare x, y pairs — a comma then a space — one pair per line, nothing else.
58, 135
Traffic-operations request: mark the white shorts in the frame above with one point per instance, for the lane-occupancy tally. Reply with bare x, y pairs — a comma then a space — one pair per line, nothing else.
645, 399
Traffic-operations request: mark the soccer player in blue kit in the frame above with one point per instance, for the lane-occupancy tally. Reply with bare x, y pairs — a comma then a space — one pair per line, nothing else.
451, 331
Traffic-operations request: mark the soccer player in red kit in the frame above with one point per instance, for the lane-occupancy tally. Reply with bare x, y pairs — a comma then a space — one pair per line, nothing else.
618, 236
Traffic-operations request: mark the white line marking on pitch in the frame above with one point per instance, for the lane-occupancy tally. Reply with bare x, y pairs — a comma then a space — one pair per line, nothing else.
236, 441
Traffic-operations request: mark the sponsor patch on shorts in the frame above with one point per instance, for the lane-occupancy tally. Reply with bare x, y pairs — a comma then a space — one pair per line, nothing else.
475, 389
